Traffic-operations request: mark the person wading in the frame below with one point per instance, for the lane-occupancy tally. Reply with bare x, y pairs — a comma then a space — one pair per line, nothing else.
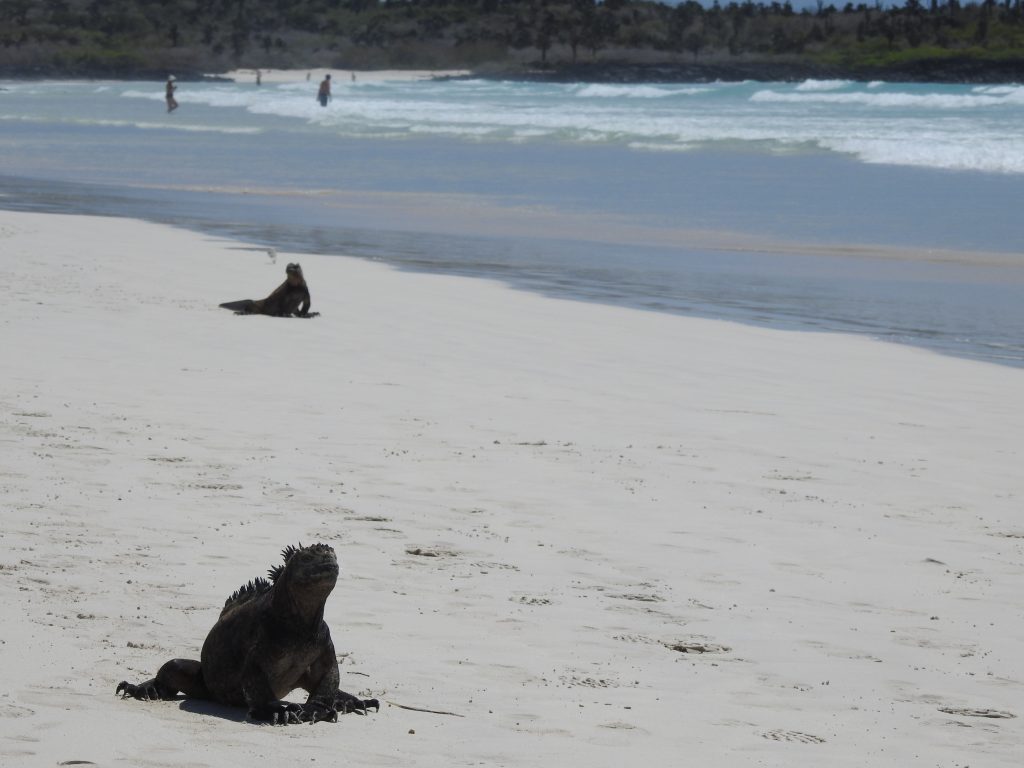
324, 94
172, 103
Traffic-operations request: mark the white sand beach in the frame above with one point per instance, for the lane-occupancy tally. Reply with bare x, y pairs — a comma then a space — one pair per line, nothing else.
642, 539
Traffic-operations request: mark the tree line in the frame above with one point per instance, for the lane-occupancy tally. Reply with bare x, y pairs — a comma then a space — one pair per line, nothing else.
149, 37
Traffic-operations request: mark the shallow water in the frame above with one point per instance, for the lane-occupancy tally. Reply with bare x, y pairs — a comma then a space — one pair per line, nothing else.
763, 212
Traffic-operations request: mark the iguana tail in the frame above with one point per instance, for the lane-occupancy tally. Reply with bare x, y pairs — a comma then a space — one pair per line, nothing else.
245, 306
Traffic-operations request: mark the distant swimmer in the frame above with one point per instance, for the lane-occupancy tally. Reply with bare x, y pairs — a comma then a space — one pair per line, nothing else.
324, 94
172, 103
290, 298
259, 77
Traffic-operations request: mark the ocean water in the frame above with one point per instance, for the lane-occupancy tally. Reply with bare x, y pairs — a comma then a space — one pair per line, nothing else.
891, 210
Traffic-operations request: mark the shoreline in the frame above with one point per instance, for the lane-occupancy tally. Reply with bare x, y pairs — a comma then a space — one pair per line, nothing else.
944, 70
341, 74
651, 534
444, 234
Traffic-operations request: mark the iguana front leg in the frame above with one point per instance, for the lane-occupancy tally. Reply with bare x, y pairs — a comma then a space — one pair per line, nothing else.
264, 707
326, 700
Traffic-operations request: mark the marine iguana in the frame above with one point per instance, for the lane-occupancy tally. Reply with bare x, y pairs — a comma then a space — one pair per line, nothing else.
270, 639
289, 298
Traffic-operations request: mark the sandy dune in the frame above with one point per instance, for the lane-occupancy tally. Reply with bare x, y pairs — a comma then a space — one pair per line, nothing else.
602, 536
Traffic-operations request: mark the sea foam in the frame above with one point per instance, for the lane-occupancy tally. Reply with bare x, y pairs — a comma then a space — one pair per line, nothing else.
822, 85
599, 91
895, 99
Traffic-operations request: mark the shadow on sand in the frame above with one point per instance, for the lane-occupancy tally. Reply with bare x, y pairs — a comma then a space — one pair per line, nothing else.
234, 714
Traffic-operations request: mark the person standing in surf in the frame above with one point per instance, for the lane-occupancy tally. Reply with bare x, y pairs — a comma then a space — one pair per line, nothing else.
172, 103
324, 94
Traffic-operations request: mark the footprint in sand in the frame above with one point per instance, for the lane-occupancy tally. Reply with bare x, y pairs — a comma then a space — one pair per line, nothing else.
697, 647
424, 552
634, 639
496, 566
527, 600
971, 712
618, 725
334, 510
639, 597
576, 681
13, 710
796, 736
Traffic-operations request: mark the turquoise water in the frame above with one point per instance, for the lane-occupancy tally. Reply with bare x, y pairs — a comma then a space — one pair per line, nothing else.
778, 204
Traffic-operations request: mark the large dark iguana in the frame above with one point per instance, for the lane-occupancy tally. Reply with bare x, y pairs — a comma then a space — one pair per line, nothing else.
270, 639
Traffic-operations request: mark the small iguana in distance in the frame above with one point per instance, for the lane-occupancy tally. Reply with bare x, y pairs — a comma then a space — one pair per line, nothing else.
270, 639
289, 299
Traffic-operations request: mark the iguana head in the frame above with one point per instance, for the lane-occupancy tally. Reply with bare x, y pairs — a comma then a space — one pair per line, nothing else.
293, 274
304, 580
311, 566
302, 584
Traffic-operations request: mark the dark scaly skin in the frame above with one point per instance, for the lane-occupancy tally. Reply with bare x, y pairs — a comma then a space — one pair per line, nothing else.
270, 639
290, 298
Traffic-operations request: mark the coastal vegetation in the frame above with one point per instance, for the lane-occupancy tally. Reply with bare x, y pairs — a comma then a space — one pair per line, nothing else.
582, 39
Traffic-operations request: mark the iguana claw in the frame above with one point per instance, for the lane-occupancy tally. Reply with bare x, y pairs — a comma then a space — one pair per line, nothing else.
346, 702
277, 713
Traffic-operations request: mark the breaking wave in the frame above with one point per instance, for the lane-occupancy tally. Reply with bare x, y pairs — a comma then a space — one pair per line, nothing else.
822, 85
1011, 96
937, 126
